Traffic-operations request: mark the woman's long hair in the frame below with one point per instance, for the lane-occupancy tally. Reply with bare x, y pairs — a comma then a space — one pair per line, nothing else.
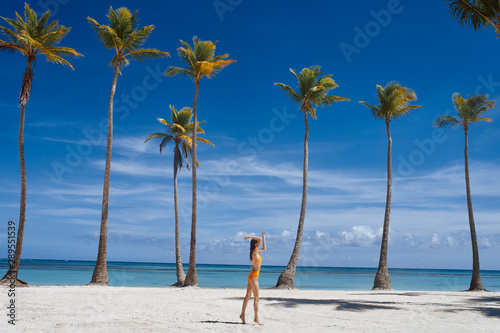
253, 245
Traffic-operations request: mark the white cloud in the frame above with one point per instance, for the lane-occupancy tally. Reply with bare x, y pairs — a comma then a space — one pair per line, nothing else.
361, 236
435, 240
125, 145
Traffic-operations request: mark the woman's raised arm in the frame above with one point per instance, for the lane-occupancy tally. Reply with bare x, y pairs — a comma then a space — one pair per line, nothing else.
263, 242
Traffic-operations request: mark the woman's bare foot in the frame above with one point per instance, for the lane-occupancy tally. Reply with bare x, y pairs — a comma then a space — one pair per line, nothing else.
242, 317
257, 321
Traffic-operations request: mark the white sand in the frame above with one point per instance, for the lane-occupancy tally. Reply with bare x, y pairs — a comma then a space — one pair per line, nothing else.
119, 309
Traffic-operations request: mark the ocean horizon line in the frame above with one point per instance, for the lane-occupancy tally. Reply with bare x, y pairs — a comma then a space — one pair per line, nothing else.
4, 263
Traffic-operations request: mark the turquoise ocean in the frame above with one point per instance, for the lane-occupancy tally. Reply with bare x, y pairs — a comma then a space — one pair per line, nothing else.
133, 274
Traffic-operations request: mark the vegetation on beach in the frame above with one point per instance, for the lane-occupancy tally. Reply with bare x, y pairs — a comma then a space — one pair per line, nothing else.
179, 131
312, 92
476, 14
34, 36
394, 104
126, 39
469, 110
200, 61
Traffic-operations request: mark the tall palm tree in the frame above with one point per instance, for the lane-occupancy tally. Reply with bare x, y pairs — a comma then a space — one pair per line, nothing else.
31, 36
469, 110
179, 131
312, 92
124, 37
476, 14
199, 61
394, 104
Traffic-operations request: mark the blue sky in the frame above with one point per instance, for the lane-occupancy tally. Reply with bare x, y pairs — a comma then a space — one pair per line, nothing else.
251, 180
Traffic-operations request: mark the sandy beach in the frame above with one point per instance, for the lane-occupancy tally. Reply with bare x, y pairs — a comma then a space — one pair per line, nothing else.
120, 309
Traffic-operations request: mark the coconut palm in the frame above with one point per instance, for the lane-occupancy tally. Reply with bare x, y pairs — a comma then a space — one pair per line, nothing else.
31, 36
126, 39
476, 14
179, 131
199, 61
394, 104
469, 110
312, 92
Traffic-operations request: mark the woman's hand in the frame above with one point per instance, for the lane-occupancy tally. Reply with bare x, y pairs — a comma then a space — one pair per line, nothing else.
246, 237
263, 234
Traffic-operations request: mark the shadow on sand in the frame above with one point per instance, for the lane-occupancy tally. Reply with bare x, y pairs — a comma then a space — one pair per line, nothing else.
342, 305
487, 306
222, 322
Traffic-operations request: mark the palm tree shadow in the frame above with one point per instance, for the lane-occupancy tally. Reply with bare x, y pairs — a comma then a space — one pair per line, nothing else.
221, 322
490, 310
341, 305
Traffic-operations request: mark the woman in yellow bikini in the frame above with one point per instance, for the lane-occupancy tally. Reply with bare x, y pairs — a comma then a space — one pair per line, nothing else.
253, 278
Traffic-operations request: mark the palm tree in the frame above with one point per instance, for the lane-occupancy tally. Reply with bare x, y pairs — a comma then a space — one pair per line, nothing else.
31, 36
476, 14
125, 38
312, 92
179, 131
469, 110
200, 61
394, 104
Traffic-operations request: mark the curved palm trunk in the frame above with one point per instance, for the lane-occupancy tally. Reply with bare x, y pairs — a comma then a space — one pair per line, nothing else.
25, 92
192, 277
382, 279
180, 271
100, 275
286, 278
475, 283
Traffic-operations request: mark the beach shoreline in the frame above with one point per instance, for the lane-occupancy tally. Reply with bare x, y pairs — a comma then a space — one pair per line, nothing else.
131, 309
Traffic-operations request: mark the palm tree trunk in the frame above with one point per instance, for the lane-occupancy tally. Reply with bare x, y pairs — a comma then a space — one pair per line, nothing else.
382, 279
192, 277
287, 277
100, 275
475, 283
24, 96
180, 271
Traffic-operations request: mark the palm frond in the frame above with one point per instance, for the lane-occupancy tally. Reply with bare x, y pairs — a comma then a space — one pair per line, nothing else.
53, 58
156, 136
476, 14
33, 36
124, 35
166, 140
200, 60
488, 120
177, 158
312, 90
137, 38
173, 71
330, 100
446, 121
204, 141
179, 127
375, 110
186, 151
164, 122
147, 54
393, 101
185, 116
470, 109
294, 96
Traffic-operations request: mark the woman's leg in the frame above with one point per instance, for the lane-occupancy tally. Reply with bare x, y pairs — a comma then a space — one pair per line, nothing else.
254, 283
245, 302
